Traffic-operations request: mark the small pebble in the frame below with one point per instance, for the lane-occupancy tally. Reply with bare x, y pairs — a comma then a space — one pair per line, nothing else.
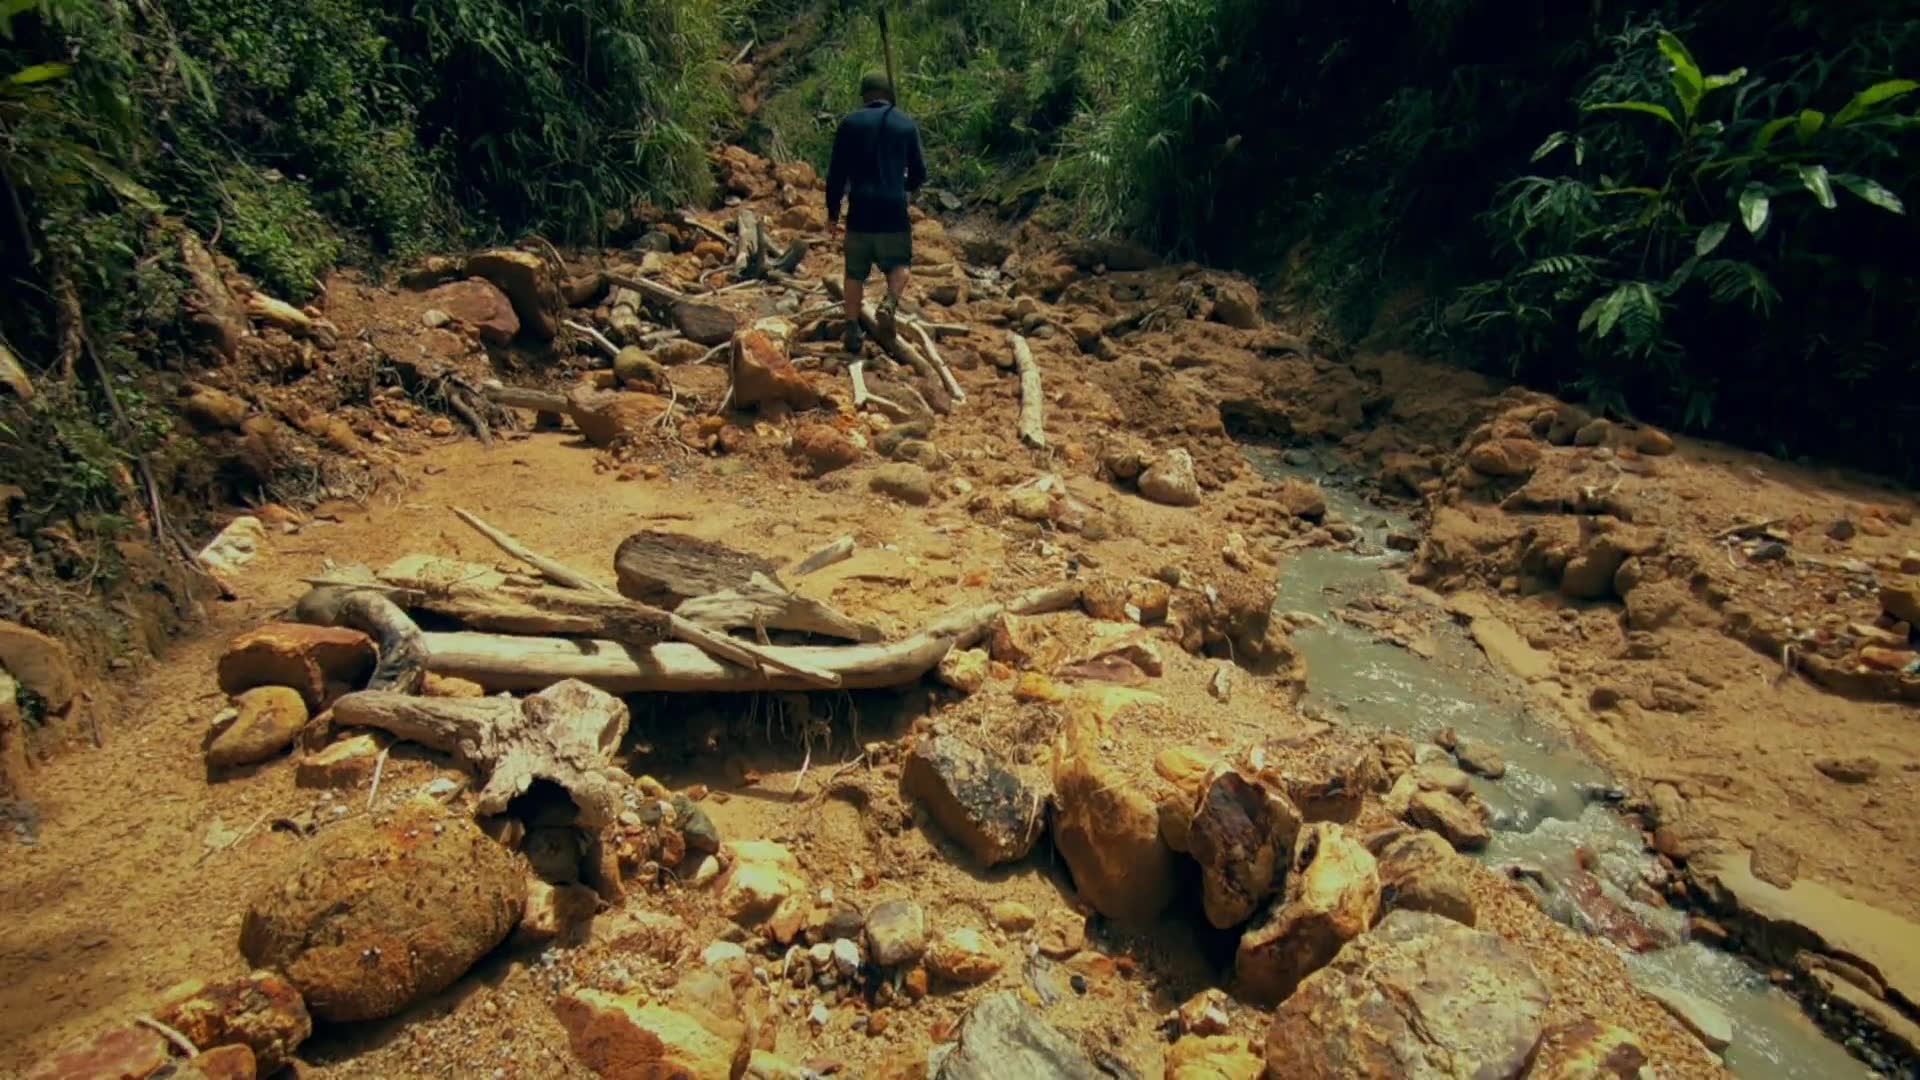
1079, 983
819, 1016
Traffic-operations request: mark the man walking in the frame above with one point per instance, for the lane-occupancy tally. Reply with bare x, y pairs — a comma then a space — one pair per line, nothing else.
876, 167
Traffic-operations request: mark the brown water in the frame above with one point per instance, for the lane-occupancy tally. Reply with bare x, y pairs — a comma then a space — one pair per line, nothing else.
1550, 803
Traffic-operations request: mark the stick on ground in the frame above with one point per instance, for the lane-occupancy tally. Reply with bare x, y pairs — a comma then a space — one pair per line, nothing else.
1033, 429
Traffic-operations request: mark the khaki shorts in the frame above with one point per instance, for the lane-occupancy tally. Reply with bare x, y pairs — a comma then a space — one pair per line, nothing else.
889, 251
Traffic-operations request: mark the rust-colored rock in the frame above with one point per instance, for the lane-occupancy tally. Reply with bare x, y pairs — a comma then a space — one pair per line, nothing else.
1332, 897
1420, 871
621, 1039
128, 1053
232, 1062
983, 807
1242, 835
1505, 457
297, 655
475, 302
1420, 995
378, 913
1460, 823
1214, 1057
270, 719
347, 763
39, 663
1106, 828
262, 1012
606, 417
1589, 1050
763, 373
824, 448
529, 285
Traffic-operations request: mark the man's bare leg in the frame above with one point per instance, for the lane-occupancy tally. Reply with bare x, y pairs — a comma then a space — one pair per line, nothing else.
855, 291
896, 288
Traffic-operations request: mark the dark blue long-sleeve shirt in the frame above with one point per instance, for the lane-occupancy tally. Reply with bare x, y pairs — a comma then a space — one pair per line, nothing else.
876, 165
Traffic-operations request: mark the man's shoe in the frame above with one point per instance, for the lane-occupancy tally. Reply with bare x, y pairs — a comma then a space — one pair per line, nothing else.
853, 339
889, 308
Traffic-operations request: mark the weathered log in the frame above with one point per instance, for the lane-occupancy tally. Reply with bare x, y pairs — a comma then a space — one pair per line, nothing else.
484, 599
595, 336
585, 289
403, 659
939, 362
565, 735
653, 291
1033, 429
520, 663
522, 397
717, 644
749, 258
862, 397
765, 605
900, 349
665, 568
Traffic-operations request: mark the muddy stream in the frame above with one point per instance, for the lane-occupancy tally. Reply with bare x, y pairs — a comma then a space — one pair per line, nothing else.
1551, 811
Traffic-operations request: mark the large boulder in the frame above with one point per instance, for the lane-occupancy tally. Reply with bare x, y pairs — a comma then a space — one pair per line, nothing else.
1107, 828
116, 1052
476, 303
306, 658
1242, 835
262, 1012
763, 373
379, 913
1463, 824
1504, 458
39, 663
1418, 996
1171, 481
529, 285
1332, 897
986, 809
1001, 1037
1422, 872
606, 417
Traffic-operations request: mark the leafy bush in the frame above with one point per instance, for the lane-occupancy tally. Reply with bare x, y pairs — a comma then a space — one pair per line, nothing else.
1693, 261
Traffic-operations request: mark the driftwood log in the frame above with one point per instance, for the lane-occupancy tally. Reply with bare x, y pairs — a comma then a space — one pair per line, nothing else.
939, 362
708, 641
764, 604
665, 568
565, 735
352, 603
518, 663
1033, 429
485, 599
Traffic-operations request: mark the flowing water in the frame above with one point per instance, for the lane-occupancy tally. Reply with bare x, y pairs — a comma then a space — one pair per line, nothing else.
1549, 811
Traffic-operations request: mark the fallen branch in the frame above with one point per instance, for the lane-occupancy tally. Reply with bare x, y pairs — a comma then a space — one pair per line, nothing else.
701, 638
520, 663
403, 649
1033, 430
1747, 529
898, 348
483, 599
939, 362
862, 397
682, 217
594, 336
566, 735
749, 256
838, 551
520, 397
764, 605
651, 290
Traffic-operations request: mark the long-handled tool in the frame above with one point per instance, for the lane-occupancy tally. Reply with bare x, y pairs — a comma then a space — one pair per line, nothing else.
886, 44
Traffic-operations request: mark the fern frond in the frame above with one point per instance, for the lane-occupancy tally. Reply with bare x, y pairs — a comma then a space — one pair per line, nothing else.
1731, 281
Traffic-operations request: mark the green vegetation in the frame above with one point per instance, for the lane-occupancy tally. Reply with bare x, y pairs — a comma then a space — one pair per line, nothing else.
294, 135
